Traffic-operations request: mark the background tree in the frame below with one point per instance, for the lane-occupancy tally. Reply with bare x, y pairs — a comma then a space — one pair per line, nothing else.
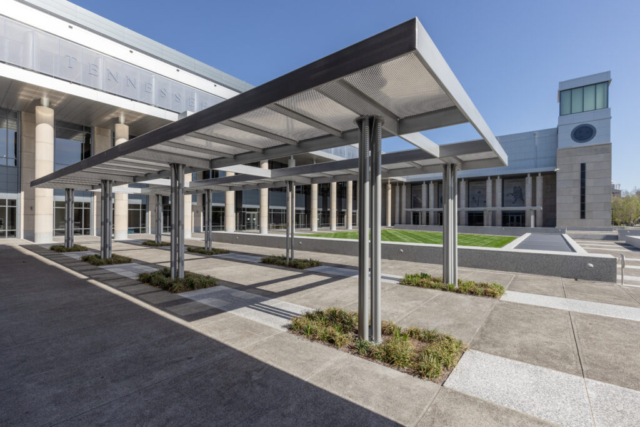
626, 210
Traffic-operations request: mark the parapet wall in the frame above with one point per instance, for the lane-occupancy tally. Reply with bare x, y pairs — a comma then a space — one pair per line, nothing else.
571, 265
633, 240
494, 231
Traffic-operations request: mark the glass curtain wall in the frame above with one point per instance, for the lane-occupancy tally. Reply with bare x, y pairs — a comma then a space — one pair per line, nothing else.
8, 225
9, 172
137, 211
72, 144
81, 216
8, 138
137, 217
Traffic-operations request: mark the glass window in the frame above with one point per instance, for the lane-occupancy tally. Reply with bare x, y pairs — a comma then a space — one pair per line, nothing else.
477, 196
138, 218
8, 138
565, 102
72, 144
587, 98
602, 95
416, 195
576, 100
583, 190
590, 98
81, 218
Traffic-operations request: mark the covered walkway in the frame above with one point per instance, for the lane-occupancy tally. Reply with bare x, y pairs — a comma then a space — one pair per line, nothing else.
395, 83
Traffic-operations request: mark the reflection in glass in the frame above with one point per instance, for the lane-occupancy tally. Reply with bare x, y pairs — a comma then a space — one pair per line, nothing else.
72, 144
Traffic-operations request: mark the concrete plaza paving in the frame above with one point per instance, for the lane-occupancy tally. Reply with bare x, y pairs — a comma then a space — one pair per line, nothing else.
89, 345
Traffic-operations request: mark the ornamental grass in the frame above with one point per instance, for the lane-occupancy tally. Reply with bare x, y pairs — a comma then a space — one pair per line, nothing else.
469, 287
424, 353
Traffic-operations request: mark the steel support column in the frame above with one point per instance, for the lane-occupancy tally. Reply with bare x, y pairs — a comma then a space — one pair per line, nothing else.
293, 220
208, 220
158, 218
450, 224
288, 219
106, 219
376, 223
68, 221
177, 221
363, 228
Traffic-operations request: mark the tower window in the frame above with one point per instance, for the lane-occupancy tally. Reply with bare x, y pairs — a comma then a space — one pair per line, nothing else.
586, 98
583, 190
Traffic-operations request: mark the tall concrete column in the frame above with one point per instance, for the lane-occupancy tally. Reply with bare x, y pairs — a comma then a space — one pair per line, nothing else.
489, 196
198, 211
188, 207
403, 205
423, 213
499, 201
333, 213
389, 204
463, 202
44, 155
432, 203
264, 203
102, 141
121, 201
230, 209
539, 197
528, 199
349, 219
398, 204
314, 207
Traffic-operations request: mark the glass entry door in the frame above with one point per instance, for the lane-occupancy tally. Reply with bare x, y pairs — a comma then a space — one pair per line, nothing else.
250, 220
513, 219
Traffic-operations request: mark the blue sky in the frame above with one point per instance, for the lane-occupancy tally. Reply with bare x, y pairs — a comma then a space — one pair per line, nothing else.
508, 55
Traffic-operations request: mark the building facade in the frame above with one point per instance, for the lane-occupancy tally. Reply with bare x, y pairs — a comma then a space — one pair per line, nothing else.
557, 177
73, 84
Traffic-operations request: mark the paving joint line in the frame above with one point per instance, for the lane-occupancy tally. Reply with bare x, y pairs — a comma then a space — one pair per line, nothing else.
436, 295
575, 339
426, 408
475, 334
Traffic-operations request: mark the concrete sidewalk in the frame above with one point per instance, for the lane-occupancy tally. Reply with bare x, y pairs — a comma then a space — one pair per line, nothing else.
535, 334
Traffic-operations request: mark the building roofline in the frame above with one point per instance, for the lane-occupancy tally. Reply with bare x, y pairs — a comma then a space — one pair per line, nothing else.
585, 80
79, 16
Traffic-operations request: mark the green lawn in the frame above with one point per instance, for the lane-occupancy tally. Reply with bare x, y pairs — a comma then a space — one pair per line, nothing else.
411, 236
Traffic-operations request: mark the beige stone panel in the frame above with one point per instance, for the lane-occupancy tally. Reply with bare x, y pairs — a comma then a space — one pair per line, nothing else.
188, 219
27, 174
314, 207
44, 155
121, 201
333, 205
101, 139
349, 219
230, 209
102, 142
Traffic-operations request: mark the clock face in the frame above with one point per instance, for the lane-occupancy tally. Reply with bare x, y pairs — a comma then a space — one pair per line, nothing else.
583, 133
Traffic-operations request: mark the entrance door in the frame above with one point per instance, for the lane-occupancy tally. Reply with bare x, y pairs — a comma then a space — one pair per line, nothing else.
415, 218
513, 219
251, 221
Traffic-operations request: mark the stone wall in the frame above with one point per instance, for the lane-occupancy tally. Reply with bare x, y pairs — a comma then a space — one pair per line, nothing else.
598, 186
560, 264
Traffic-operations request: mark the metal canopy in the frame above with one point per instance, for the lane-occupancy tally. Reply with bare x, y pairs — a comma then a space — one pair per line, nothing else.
397, 75
394, 165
